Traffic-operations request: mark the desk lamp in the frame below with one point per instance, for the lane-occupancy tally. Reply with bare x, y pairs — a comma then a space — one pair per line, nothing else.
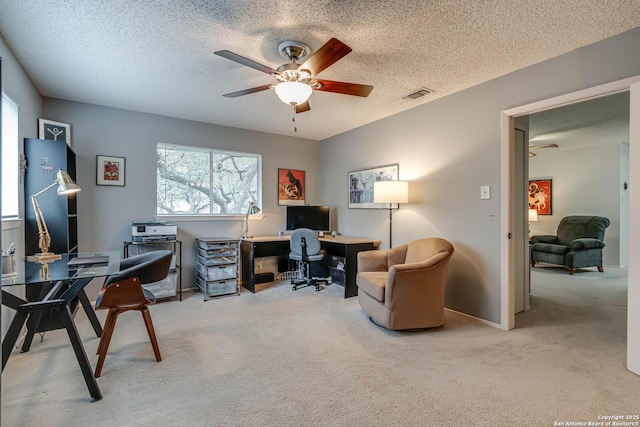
253, 209
66, 186
391, 192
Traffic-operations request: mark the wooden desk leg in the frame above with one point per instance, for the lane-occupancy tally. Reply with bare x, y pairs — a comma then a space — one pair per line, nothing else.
34, 319
78, 348
32, 324
91, 314
248, 275
18, 321
351, 270
12, 335
351, 267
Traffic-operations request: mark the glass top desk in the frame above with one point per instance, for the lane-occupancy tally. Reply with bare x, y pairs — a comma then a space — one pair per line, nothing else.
54, 289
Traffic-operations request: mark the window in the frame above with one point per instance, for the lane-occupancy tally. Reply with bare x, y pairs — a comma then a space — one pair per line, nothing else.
204, 181
10, 175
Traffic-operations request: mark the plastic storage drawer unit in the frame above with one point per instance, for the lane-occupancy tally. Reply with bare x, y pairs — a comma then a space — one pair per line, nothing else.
217, 266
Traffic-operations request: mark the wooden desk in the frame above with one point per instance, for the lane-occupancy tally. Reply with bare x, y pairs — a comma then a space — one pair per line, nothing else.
278, 246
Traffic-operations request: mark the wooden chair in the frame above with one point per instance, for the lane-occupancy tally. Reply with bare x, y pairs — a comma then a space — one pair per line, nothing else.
123, 291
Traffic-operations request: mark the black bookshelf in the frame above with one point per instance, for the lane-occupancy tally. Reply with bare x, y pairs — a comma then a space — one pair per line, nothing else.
44, 159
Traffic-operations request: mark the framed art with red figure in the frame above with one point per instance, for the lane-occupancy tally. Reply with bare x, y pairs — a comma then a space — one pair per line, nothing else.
540, 196
291, 187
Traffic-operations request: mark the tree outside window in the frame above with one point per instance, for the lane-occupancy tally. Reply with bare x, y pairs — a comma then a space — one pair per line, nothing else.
203, 181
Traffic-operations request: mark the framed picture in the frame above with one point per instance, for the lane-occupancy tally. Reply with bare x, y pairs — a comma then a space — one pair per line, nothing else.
291, 187
540, 196
110, 170
55, 131
361, 186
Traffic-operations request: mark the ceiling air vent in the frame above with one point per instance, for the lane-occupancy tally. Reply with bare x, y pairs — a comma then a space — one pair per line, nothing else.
418, 93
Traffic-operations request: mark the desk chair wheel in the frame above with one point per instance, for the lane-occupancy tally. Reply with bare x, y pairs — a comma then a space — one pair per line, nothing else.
308, 282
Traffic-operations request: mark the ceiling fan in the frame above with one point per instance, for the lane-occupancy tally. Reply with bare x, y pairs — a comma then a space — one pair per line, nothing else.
538, 146
296, 82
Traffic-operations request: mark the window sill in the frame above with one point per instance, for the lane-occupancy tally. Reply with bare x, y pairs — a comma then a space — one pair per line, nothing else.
195, 218
11, 223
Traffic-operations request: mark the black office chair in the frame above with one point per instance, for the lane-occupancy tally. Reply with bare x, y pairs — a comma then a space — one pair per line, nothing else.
305, 250
123, 291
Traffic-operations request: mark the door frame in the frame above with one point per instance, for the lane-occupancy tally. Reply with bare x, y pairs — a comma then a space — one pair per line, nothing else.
508, 200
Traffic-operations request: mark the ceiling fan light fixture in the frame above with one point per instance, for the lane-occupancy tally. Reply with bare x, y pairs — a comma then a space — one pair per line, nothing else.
293, 93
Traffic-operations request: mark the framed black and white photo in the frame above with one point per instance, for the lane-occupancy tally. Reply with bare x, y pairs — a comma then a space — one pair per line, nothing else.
54, 131
110, 170
361, 186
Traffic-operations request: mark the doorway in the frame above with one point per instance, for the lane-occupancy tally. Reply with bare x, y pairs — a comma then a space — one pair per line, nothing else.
511, 195
579, 155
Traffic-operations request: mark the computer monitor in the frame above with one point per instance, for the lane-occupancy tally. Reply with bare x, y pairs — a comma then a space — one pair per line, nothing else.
316, 218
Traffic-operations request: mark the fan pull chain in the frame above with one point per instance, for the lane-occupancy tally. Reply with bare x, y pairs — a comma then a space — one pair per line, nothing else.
295, 128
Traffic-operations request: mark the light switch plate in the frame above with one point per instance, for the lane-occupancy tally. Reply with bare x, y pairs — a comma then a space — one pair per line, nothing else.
485, 192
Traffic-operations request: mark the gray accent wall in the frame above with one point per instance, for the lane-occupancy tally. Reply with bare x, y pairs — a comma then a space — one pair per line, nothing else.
450, 147
105, 213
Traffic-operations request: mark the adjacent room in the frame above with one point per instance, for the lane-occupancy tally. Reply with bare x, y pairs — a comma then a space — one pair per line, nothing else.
320, 212
580, 151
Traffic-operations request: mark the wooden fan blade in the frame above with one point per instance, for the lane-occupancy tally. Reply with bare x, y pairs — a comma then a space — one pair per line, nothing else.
301, 108
330, 52
246, 61
247, 91
345, 88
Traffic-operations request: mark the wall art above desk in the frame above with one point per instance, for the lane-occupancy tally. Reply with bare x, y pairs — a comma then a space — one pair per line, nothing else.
361, 186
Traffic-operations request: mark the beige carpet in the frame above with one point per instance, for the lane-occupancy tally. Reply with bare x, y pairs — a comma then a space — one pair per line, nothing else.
284, 358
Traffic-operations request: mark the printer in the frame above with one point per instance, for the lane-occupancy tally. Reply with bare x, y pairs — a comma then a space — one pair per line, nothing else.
153, 231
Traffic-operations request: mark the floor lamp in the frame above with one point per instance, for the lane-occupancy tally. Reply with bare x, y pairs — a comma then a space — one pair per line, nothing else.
253, 209
66, 186
391, 192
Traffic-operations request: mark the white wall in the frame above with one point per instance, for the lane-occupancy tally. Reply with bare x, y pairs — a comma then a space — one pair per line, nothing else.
17, 84
448, 148
624, 204
633, 299
105, 213
586, 181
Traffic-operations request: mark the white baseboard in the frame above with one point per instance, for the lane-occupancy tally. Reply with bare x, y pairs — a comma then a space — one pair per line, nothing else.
483, 321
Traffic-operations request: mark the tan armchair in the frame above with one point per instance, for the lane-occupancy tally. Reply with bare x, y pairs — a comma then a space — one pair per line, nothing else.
403, 288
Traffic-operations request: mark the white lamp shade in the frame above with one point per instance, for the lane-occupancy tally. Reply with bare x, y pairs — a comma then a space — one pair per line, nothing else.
65, 183
391, 192
293, 93
533, 215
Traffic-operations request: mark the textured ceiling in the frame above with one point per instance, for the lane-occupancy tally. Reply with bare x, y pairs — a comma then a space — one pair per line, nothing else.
157, 56
603, 120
